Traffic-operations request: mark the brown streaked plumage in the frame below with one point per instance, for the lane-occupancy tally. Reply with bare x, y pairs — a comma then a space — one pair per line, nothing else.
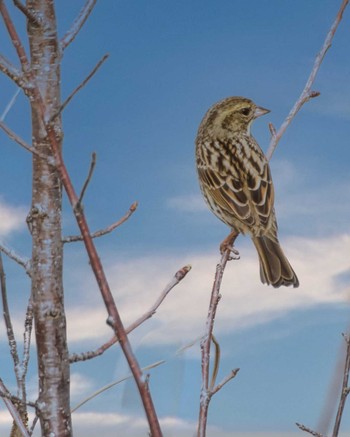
236, 182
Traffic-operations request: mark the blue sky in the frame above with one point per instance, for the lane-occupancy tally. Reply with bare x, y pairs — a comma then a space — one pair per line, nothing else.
170, 61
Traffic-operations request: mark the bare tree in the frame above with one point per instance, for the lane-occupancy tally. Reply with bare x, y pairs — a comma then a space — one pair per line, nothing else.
38, 76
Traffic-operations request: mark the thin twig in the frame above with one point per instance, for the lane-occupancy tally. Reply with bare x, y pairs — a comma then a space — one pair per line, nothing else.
8, 323
310, 431
13, 136
87, 180
16, 41
13, 410
28, 327
216, 366
344, 389
23, 262
112, 384
10, 104
227, 378
101, 232
28, 13
307, 93
78, 24
12, 72
179, 275
79, 87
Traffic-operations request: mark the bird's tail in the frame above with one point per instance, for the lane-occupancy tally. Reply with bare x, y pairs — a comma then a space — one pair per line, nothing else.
275, 269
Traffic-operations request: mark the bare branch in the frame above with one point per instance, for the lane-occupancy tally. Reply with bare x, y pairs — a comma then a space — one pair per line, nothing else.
100, 233
307, 93
28, 327
112, 384
344, 389
27, 12
23, 262
310, 431
88, 179
13, 410
78, 24
179, 275
10, 105
12, 72
216, 362
79, 87
13, 136
228, 378
16, 41
8, 323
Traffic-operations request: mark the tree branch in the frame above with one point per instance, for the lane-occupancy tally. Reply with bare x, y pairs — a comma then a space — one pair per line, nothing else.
23, 262
206, 391
87, 180
27, 13
8, 323
80, 86
11, 71
307, 93
179, 276
310, 431
112, 384
344, 389
16, 41
100, 233
78, 24
13, 136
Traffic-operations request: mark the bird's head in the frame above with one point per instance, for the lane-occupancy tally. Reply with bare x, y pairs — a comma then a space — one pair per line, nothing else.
230, 116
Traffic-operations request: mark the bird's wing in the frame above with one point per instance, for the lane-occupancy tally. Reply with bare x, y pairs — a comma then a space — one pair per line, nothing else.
240, 184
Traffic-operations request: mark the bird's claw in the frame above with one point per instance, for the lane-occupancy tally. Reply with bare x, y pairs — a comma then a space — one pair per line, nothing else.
227, 246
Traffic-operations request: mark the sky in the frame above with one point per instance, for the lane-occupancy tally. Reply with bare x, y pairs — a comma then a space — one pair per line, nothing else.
168, 63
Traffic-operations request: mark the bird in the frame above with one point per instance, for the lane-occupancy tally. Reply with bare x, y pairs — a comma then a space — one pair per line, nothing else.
235, 180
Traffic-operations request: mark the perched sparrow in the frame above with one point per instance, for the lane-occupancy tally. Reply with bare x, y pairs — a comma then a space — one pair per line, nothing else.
236, 182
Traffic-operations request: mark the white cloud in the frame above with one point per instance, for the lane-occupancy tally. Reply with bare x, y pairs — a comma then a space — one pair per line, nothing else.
245, 302
12, 218
321, 264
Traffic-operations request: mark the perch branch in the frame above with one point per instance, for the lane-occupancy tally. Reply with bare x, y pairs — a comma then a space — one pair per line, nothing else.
206, 392
307, 93
78, 24
79, 87
179, 275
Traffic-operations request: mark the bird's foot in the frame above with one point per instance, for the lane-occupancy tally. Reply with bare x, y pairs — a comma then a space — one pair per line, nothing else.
227, 244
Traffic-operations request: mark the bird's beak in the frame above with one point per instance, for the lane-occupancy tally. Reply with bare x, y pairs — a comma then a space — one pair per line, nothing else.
259, 111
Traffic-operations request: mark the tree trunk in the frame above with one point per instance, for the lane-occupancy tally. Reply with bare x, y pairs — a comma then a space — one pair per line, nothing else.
45, 223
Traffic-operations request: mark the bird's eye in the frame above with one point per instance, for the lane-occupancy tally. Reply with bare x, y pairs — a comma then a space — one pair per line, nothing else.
245, 111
